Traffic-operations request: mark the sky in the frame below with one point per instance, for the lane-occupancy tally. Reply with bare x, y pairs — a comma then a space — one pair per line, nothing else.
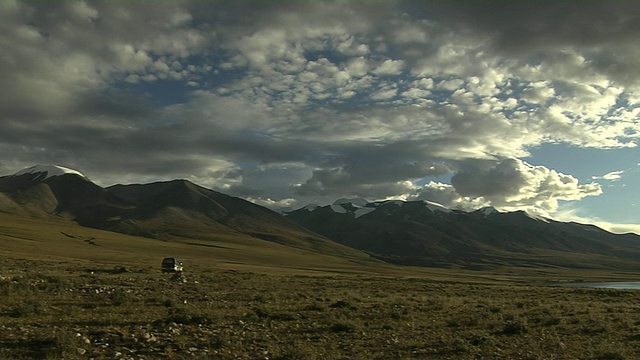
517, 105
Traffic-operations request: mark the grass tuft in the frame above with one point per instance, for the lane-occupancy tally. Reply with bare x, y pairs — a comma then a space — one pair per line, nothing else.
343, 326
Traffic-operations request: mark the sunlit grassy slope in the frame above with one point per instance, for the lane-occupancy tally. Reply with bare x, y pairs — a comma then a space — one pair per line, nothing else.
62, 240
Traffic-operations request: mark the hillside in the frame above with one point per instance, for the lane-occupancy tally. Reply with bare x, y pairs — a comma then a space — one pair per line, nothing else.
425, 234
174, 210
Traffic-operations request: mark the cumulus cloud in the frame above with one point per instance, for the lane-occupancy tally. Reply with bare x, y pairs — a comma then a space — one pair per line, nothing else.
507, 184
514, 183
390, 67
446, 195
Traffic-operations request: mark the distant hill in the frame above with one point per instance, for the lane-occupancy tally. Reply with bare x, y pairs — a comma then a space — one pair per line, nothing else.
53, 190
428, 234
168, 210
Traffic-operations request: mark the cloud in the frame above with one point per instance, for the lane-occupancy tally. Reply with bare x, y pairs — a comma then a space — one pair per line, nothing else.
354, 169
617, 228
295, 102
390, 67
614, 175
446, 195
507, 184
527, 26
603, 34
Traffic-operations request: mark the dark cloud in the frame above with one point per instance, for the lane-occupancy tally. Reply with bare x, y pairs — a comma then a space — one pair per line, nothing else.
489, 178
514, 183
116, 105
355, 167
605, 32
524, 26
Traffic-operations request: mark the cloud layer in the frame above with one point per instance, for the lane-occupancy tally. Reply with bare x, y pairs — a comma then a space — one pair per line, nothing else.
297, 102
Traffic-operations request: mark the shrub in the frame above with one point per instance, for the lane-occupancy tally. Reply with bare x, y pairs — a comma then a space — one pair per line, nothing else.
187, 315
314, 307
26, 308
339, 304
283, 316
342, 327
514, 327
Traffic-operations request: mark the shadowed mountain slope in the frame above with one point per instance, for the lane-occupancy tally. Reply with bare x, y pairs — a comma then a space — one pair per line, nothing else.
68, 195
422, 233
176, 206
169, 210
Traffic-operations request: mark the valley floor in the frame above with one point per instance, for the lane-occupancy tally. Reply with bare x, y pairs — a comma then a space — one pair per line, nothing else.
68, 292
76, 310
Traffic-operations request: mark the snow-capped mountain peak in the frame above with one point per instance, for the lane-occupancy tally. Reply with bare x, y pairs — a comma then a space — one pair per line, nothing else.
311, 207
357, 206
358, 202
535, 216
434, 206
486, 211
48, 171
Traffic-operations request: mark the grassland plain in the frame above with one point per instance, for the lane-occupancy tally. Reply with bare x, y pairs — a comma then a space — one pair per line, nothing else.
67, 292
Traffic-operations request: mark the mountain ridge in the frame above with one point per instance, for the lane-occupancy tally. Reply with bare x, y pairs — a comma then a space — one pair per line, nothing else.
419, 233
425, 233
165, 210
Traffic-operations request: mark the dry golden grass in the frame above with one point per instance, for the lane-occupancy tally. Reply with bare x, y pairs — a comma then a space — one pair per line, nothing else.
63, 310
66, 241
74, 293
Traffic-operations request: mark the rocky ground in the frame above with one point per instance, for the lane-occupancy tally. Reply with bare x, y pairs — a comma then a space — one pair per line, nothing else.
64, 310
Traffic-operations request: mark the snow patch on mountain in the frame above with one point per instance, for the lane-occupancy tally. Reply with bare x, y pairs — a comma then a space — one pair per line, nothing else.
536, 217
48, 171
357, 202
360, 206
338, 209
486, 211
433, 206
356, 206
363, 211
311, 207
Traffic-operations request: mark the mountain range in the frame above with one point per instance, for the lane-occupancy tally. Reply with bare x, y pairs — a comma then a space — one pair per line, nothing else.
427, 234
168, 210
417, 233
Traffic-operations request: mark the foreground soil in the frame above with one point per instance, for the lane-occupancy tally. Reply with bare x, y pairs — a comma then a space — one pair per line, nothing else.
77, 311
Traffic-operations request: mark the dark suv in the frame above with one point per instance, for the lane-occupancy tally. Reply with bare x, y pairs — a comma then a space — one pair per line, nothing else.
171, 265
